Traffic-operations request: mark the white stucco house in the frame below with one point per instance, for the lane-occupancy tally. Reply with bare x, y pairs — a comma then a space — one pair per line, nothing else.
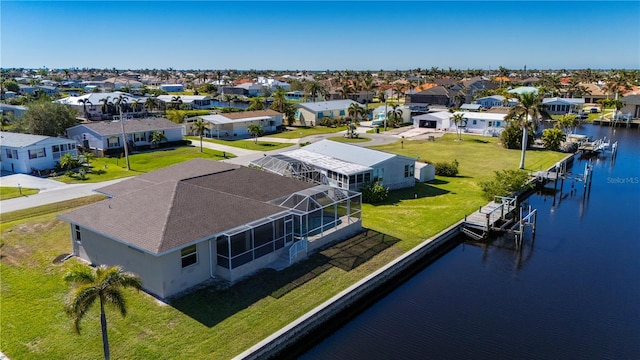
105, 137
236, 124
92, 103
488, 124
183, 225
194, 102
561, 106
439, 120
342, 165
23, 153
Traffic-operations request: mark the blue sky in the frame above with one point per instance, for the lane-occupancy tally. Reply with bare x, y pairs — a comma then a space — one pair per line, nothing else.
305, 35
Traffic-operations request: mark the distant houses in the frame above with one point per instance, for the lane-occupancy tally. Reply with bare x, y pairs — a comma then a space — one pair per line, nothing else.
26, 153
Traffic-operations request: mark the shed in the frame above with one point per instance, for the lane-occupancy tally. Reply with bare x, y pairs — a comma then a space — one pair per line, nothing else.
425, 172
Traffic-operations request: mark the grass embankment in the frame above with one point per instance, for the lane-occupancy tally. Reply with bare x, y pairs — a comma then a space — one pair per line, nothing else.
248, 144
221, 323
113, 168
9, 192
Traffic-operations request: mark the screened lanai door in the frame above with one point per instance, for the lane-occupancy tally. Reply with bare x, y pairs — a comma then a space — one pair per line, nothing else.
288, 232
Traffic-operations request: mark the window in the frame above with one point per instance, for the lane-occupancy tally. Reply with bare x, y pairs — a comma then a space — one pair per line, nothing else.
408, 170
12, 154
490, 123
139, 137
320, 115
78, 237
38, 153
189, 255
475, 122
342, 113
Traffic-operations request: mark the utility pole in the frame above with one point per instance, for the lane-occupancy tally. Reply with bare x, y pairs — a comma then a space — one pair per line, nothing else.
124, 138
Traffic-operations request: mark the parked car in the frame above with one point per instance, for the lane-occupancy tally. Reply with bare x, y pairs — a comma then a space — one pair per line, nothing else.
594, 110
583, 115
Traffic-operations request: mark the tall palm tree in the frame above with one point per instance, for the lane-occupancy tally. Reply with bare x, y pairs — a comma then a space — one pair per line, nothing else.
176, 101
106, 104
151, 103
618, 81
256, 103
104, 284
345, 90
84, 103
279, 100
528, 106
120, 102
459, 120
395, 115
314, 89
367, 86
200, 126
397, 89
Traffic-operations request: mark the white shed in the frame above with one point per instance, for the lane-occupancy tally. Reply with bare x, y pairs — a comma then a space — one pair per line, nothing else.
424, 172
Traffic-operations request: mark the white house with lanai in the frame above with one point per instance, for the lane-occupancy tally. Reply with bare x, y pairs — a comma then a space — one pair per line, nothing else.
24, 153
488, 124
341, 165
439, 120
561, 106
194, 102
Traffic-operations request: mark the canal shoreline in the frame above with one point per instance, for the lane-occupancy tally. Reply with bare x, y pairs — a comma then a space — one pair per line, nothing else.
286, 343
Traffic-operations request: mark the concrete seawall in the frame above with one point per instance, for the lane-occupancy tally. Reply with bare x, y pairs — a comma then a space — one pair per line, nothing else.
274, 345
313, 320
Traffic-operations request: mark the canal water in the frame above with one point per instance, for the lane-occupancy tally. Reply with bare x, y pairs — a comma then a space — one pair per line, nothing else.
572, 292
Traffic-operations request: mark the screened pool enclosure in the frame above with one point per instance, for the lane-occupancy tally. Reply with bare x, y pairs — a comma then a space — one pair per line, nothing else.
309, 217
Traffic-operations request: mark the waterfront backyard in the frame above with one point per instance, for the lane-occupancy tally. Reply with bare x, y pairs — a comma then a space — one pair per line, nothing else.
207, 322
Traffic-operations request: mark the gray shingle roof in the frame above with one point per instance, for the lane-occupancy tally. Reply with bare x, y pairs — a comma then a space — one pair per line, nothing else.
169, 208
327, 105
133, 125
18, 140
351, 153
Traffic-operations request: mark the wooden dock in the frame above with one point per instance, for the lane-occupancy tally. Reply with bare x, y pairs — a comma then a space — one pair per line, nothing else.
493, 216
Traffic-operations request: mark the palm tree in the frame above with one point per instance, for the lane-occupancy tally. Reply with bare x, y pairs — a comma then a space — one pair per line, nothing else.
279, 100
618, 81
200, 126
314, 89
151, 103
397, 89
176, 101
106, 104
134, 105
395, 115
345, 90
120, 102
84, 103
255, 130
367, 86
102, 283
459, 120
157, 137
528, 106
256, 103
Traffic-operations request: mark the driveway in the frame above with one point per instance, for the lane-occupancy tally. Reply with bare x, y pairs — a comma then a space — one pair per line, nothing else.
28, 181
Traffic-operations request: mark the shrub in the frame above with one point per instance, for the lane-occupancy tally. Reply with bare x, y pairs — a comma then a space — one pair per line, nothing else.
374, 193
447, 169
553, 138
505, 183
511, 137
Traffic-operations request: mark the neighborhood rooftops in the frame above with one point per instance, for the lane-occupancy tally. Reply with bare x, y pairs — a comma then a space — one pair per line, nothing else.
346, 152
227, 118
166, 209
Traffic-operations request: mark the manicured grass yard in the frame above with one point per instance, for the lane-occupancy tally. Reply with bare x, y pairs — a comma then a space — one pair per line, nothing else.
301, 132
349, 140
248, 144
221, 323
113, 168
8, 192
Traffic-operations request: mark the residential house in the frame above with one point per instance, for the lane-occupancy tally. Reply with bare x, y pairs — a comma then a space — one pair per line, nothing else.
236, 124
488, 124
251, 89
341, 165
92, 104
194, 102
439, 120
117, 83
105, 137
593, 93
632, 106
488, 102
24, 153
183, 225
273, 84
380, 113
471, 107
313, 113
437, 95
171, 87
16, 111
523, 89
561, 106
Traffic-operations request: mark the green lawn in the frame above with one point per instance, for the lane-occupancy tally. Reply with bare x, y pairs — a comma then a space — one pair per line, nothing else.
301, 132
221, 323
349, 140
8, 192
113, 168
248, 144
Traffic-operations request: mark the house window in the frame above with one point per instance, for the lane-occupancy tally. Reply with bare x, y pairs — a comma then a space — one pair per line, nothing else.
408, 170
113, 141
475, 122
490, 123
139, 137
12, 154
342, 112
78, 237
320, 115
497, 123
38, 153
189, 256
